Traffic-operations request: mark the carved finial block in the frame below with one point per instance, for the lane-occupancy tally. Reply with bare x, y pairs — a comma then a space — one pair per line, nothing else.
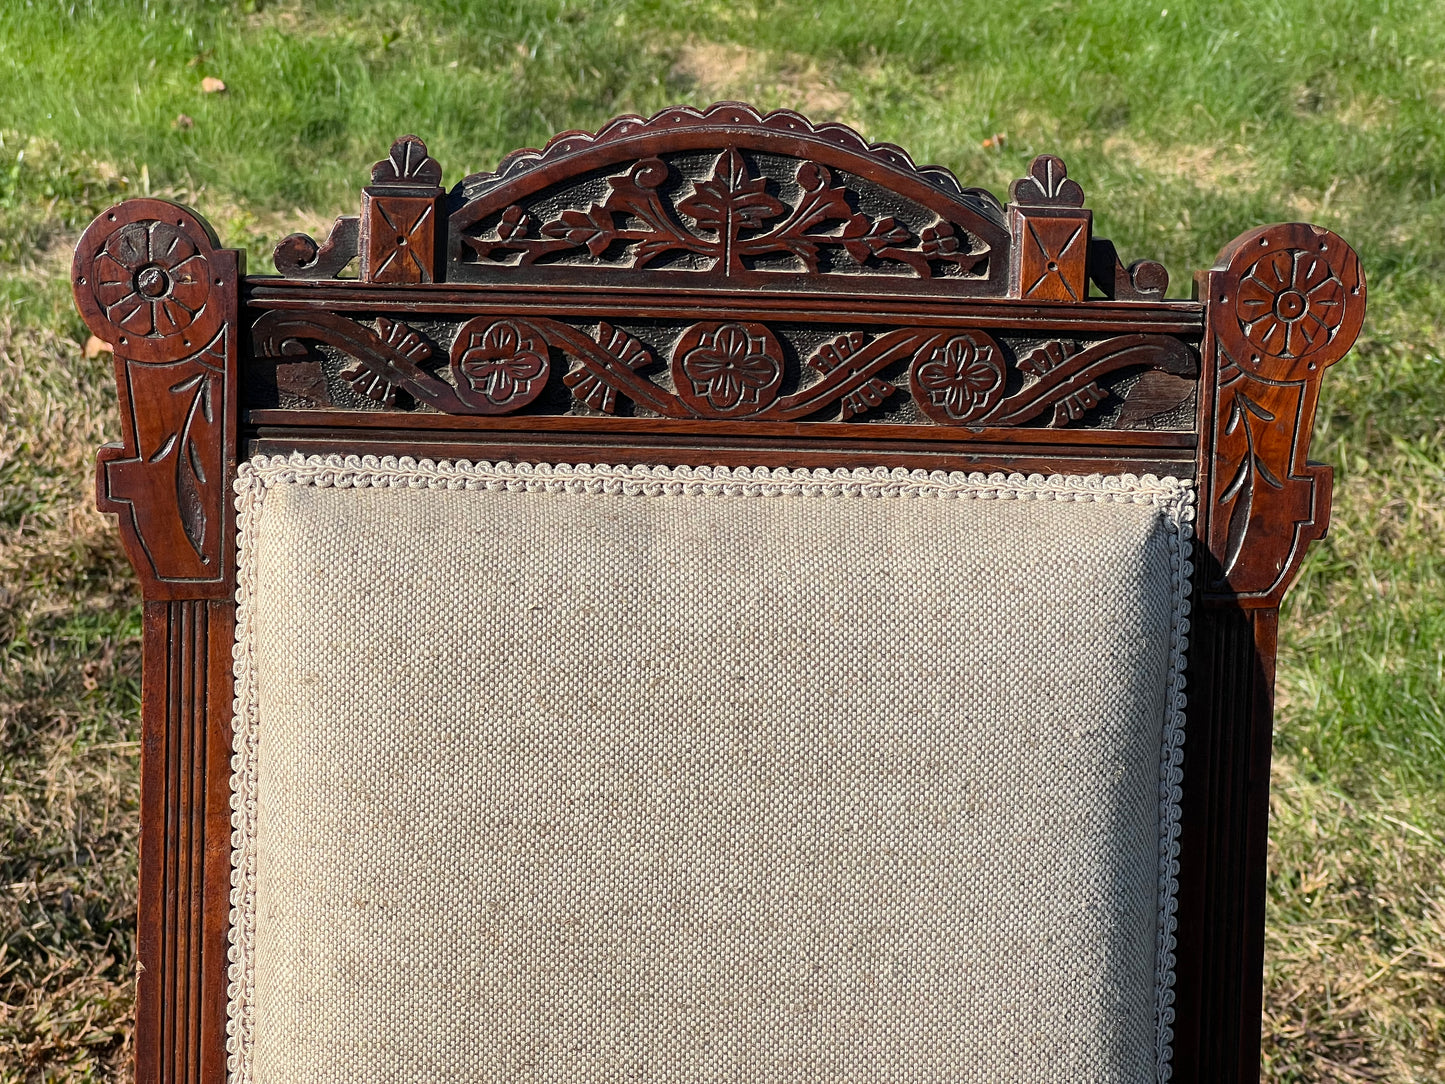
403, 228
1051, 234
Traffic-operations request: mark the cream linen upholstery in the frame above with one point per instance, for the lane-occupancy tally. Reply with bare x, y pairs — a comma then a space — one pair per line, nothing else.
599, 774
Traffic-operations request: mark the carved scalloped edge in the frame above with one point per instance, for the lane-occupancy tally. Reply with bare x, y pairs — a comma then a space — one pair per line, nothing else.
738, 115
1174, 497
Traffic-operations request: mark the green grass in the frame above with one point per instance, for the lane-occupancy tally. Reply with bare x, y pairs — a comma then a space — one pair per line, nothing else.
1185, 127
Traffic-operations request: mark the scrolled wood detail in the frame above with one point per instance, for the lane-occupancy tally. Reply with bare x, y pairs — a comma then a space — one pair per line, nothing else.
737, 370
1285, 303
150, 279
1067, 385
298, 256
1142, 280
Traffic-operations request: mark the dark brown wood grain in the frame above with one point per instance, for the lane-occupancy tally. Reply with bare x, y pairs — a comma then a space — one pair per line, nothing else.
712, 287
185, 851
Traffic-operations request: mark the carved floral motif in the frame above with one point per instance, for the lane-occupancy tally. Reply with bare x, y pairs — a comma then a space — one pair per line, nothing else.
728, 220
501, 362
150, 279
736, 370
728, 368
1290, 301
962, 379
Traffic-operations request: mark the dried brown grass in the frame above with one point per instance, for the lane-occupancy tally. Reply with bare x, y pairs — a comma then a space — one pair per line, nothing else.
1355, 952
68, 736
717, 71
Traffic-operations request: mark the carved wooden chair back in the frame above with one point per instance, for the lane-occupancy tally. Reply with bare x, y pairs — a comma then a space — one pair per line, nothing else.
713, 302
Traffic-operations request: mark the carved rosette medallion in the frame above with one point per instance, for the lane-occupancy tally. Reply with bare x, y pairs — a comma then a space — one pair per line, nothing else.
143, 284
1286, 302
727, 370
960, 379
1297, 295
499, 365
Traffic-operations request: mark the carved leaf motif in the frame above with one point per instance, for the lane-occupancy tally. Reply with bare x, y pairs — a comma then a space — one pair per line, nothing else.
407, 164
1155, 394
728, 219
593, 228
1047, 357
190, 470
1077, 404
514, 223
866, 397
731, 200
1241, 488
865, 238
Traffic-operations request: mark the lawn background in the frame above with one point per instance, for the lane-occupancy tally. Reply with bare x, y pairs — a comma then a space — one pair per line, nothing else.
1186, 125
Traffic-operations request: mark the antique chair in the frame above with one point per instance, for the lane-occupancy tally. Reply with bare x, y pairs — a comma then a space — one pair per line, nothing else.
713, 600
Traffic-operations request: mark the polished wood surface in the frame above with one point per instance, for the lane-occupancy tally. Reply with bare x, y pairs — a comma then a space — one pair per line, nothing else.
711, 287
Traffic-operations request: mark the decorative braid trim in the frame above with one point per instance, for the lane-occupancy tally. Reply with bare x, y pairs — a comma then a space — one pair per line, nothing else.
1173, 496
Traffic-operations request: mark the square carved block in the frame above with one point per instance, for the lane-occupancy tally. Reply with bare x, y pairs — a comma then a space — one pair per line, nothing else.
399, 238
1053, 249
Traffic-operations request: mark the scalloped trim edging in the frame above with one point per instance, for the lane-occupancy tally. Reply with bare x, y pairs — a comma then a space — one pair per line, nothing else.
1174, 497
739, 114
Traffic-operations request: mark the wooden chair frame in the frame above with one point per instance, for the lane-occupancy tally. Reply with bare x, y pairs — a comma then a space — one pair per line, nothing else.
869, 311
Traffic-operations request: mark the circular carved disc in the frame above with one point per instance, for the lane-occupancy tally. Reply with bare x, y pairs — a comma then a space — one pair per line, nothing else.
499, 366
1296, 299
959, 380
728, 370
143, 281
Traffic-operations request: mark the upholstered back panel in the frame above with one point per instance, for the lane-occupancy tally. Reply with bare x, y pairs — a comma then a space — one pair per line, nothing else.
594, 774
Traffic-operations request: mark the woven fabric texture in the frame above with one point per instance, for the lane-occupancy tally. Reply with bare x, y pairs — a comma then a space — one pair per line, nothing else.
600, 774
